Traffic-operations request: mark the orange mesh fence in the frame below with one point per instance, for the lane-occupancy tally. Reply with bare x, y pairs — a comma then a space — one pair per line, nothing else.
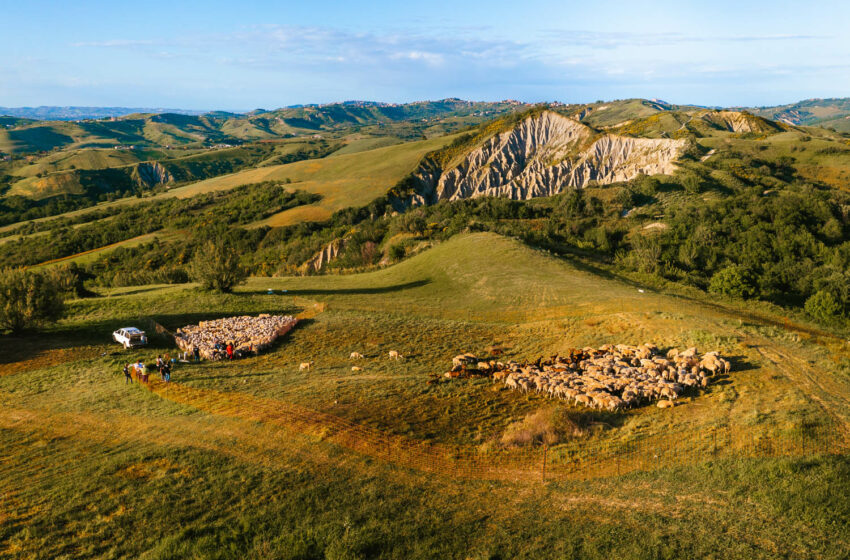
578, 459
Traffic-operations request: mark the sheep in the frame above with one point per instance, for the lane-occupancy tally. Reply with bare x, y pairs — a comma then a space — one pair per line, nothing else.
395, 355
305, 366
610, 378
459, 360
355, 356
247, 334
356, 368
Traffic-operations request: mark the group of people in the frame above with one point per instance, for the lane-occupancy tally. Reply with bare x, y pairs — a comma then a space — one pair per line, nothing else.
163, 366
222, 351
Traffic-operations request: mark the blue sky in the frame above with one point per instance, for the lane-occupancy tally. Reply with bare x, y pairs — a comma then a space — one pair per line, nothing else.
245, 55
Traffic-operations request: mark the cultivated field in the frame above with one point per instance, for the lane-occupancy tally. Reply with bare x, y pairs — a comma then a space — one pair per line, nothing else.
259, 459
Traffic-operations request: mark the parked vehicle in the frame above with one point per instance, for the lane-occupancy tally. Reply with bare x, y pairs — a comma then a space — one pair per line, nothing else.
130, 336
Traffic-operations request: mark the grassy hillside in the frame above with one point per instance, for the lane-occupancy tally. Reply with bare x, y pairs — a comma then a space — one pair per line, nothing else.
352, 179
827, 113
170, 129
96, 468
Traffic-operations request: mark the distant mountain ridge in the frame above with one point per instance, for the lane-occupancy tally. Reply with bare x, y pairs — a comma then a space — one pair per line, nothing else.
169, 129
72, 113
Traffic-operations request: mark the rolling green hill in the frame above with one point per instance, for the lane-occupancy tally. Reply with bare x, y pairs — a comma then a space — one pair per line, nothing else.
243, 449
827, 113
169, 129
521, 237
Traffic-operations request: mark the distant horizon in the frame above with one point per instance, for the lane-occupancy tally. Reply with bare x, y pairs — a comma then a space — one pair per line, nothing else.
162, 110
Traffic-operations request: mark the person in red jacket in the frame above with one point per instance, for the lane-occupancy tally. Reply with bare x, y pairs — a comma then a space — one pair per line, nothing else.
229, 350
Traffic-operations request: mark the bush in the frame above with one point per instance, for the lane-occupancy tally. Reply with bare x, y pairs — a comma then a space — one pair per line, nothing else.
823, 306
216, 267
734, 281
28, 299
397, 252
549, 426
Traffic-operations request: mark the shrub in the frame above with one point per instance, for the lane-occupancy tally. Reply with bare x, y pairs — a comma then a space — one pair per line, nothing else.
823, 306
733, 281
397, 252
548, 426
28, 299
216, 267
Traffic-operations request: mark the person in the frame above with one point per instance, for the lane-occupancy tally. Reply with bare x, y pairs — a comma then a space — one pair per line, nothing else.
166, 372
142, 371
159, 364
229, 350
127, 377
196, 352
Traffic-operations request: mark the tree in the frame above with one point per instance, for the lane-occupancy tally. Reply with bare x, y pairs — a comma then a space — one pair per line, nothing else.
216, 267
28, 299
733, 281
823, 306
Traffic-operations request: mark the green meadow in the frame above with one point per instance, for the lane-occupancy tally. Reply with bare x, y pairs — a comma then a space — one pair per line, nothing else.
96, 468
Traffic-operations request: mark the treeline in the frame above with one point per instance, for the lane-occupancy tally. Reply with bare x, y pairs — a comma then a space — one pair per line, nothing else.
104, 185
221, 209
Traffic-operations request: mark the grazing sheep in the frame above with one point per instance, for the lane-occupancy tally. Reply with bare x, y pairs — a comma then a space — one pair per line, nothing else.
665, 404
305, 366
608, 378
394, 355
355, 356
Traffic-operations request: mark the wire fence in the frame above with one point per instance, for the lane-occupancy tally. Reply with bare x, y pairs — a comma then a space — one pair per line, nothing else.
582, 458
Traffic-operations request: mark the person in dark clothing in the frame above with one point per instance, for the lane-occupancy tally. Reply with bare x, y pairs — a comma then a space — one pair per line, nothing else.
166, 372
127, 377
196, 352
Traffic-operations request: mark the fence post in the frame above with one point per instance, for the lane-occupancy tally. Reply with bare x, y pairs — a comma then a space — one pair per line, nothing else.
543, 472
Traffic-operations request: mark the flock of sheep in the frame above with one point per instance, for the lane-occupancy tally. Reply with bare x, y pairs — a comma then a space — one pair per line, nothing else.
248, 335
610, 377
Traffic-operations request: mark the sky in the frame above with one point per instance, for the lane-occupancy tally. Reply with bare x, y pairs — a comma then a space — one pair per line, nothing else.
246, 55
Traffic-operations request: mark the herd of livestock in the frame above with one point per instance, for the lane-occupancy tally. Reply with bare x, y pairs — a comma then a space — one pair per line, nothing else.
609, 377
247, 335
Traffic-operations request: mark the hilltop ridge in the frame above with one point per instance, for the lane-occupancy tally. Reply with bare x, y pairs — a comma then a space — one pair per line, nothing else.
542, 155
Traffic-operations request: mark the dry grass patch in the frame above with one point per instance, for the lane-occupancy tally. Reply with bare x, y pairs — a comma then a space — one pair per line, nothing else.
546, 426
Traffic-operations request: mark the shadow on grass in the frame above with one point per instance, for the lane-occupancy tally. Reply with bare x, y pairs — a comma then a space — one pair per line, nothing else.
375, 290
139, 290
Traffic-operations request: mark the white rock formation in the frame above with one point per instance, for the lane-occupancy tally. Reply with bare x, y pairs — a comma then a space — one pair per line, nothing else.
543, 156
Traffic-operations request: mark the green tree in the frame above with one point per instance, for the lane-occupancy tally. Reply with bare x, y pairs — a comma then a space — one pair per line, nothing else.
733, 281
823, 306
216, 267
28, 299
